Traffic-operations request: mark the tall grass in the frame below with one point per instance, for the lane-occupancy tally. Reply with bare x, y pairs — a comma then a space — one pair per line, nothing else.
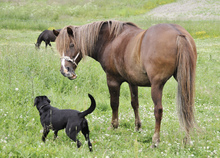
26, 73
43, 14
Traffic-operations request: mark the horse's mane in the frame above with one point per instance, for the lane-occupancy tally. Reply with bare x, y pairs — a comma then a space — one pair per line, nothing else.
86, 36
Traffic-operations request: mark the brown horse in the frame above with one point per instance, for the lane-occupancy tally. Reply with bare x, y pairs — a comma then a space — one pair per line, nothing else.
139, 57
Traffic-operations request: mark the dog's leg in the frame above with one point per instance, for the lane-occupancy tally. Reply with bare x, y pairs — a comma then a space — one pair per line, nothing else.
45, 133
85, 132
78, 143
86, 135
89, 143
55, 134
72, 133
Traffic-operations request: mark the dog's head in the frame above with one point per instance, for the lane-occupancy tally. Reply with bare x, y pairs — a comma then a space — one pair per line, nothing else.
41, 101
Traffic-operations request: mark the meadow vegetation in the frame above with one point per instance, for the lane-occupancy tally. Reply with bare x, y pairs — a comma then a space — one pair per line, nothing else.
27, 72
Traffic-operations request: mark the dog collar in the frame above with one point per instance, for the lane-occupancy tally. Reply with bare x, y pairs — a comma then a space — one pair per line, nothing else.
43, 106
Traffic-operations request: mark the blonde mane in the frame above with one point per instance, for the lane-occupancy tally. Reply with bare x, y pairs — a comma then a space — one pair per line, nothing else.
86, 36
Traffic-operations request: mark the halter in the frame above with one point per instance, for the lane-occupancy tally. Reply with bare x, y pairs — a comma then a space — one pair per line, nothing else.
67, 58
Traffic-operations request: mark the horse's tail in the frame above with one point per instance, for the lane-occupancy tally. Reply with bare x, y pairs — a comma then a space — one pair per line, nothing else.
186, 70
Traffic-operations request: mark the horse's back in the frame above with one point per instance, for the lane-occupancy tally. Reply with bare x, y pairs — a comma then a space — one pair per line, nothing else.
48, 35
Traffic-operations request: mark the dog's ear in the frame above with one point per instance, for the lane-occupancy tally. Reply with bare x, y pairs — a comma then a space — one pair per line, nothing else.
35, 101
48, 100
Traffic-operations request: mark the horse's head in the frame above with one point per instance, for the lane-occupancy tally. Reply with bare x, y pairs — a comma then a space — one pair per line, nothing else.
69, 53
37, 45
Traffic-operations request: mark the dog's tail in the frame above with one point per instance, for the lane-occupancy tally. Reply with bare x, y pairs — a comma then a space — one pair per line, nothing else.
90, 109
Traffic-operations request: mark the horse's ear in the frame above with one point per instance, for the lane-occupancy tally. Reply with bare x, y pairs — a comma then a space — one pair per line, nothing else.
69, 31
55, 32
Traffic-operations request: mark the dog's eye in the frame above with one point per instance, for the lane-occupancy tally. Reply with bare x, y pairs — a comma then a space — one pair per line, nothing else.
71, 45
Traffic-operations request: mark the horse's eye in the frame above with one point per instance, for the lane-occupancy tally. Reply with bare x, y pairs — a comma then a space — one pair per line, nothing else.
71, 45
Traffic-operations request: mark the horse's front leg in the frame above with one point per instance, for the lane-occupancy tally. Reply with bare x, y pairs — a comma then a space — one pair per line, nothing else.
114, 90
135, 105
156, 94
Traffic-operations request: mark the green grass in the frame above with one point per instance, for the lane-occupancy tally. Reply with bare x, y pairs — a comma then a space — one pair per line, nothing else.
26, 73
39, 15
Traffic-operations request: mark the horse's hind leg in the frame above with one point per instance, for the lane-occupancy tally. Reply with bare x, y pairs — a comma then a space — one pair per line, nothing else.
135, 105
156, 94
114, 90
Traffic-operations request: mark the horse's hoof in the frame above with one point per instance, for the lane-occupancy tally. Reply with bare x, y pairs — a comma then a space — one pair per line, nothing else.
109, 128
112, 127
186, 140
138, 127
115, 125
154, 146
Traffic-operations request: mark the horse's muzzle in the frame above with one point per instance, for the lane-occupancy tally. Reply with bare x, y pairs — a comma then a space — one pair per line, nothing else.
69, 74
73, 77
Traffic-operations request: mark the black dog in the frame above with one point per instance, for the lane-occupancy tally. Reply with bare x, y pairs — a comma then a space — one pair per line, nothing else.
56, 119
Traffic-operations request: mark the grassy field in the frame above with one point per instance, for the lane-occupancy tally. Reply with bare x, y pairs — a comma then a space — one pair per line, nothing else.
26, 73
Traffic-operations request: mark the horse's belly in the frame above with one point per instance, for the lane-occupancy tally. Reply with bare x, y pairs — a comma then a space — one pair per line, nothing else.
145, 83
138, 79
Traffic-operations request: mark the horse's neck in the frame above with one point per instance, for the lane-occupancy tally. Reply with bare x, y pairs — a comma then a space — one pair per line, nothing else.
99, 47
97, 52
39, 42
105, 40
40, 38
105, 36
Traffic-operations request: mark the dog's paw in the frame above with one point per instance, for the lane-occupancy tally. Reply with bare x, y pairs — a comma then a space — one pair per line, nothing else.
90, 148
78, 144
43, 139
